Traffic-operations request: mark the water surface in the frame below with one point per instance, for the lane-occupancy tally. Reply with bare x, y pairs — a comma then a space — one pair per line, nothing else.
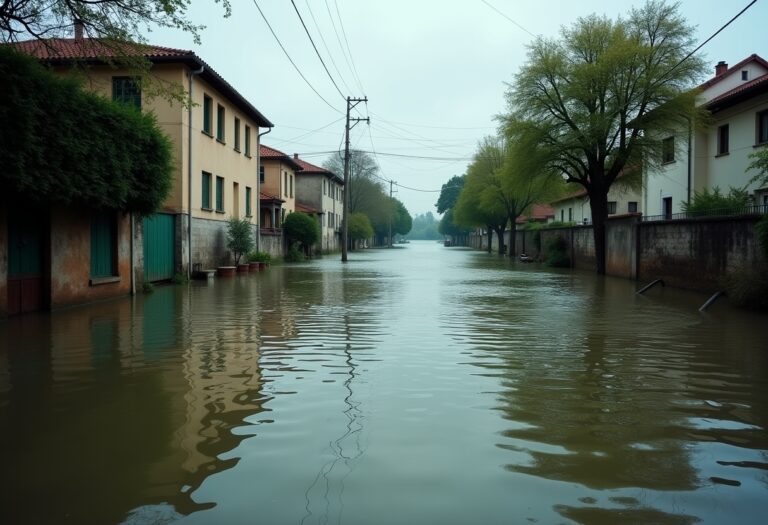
414, 385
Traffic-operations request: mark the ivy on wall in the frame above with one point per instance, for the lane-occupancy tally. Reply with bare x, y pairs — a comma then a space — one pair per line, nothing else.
60, 144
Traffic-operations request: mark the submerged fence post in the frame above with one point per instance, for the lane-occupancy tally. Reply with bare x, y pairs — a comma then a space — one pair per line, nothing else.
649, 286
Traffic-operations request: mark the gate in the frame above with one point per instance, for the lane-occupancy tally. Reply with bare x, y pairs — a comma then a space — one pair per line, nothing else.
159, 242
25, 262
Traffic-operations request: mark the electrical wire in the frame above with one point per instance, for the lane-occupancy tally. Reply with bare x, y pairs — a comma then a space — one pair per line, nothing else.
338, 38
327, 49
508, 18
349, 50
291, 60
316, 51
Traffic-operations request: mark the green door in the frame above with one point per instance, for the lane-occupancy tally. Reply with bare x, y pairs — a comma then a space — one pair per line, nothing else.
159, 242
25, 262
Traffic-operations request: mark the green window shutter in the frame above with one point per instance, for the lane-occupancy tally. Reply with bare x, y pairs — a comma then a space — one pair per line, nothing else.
248, 140
103, 245
207, 108
247, 201
237, 134
219, 194
206, 190
220, 115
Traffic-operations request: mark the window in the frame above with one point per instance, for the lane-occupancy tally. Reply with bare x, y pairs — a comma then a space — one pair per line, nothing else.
562, 215
285, 183
103, 244
762, 127
290, 194
261, 174
282, 216
220, 116
206, 202
220, 194
611, 207
325, 187
632, 207
247, 201
668, 150
666, 207
237, 134
127, 91
247, 141
745, 75
207, 114
722, 140
570, 214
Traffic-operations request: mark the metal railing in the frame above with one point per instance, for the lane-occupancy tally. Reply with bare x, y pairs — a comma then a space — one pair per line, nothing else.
271, 231
721, 212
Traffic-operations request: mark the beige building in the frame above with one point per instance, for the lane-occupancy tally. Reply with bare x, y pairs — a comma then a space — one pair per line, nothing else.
322, 190
215, 144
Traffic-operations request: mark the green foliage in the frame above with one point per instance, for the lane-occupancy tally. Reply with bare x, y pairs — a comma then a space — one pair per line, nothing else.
448, 225
147, 287
424, 227
760, 165
712, 200
402, 223
239, 237
449, 193
294, 254
258, 257
180, 278
595, 101
761, 232
747, 286
300, 227
359, 227
71, 147
557, 252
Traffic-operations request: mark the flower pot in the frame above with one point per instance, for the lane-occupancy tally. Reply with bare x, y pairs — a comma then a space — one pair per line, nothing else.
253, 267
242, 268
226, 271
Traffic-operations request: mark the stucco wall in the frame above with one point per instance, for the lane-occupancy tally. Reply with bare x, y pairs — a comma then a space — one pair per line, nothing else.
209, 244
71, 259
272, 244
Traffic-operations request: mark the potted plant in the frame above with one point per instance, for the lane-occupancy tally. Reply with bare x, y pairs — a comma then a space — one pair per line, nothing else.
239, 240
258, 260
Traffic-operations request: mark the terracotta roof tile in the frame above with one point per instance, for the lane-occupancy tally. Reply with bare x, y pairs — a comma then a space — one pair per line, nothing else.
305, 208
267, 197
751, 58
539, 212
744, 88
265, 152
311, 169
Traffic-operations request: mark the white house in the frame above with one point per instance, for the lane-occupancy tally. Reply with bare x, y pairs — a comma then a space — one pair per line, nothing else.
575, 206
737, 98
322, 190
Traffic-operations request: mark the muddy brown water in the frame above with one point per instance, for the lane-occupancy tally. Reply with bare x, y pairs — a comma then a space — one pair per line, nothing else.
415, 385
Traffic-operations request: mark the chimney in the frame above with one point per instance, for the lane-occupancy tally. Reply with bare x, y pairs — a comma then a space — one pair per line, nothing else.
296, 156
720, 68
78, 30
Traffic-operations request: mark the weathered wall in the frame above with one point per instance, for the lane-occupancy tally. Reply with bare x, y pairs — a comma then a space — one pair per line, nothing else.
209, 243
695, 253
71, 259
272, 244
3, 261
621, 245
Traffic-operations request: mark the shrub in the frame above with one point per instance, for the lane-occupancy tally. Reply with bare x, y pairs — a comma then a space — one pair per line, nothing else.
239, 237
557, 252
258, 257
294, 254
359, 226
180, 278
747, 286
301, 228
710, 200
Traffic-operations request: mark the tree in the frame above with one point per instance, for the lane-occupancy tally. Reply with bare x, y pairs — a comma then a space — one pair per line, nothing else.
239, 238
402, 222
760, 165
301, 228
449, 193
359, 227
603, 96
477, 205
424, 227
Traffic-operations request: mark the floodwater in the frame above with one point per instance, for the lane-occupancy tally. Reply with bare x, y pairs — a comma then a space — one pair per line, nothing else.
419, 385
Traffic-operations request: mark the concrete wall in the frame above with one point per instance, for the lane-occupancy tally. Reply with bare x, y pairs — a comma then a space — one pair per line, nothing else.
71, 259
209, 243
272, 244
3, 261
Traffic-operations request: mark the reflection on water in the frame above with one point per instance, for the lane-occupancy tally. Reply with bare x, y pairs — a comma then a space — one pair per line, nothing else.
416, 385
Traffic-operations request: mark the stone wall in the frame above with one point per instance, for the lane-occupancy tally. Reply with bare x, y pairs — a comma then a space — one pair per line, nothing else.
272, 243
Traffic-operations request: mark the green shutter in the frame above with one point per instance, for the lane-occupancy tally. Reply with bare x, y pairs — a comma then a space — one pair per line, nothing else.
206, 191
248, 140
247, 201
219, 194
220, 123
207, 114
103, 244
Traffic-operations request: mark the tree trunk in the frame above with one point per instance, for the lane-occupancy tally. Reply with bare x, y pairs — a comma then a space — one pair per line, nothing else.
490, 238
512, 241
500, 235
598, 204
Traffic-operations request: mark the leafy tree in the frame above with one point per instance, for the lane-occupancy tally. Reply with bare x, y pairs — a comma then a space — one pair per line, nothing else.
359, 227
711, 200
301, 228
448, 226
403, 221
449, 193
478, 206
239, 238
424, 227
603, 96
73, 147
760, 164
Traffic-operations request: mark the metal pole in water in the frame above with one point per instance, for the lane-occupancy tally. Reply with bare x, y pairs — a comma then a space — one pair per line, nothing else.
649, 286
711, 300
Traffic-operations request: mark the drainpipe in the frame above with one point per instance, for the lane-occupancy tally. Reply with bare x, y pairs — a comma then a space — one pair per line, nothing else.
690, 138
258, 188
191, 74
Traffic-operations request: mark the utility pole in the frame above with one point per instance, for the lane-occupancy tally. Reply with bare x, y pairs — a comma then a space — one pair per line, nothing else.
351, 103
391, 212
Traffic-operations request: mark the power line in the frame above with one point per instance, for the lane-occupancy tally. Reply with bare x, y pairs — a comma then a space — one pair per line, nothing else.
291, 60
338, 39
316, 51
508, 18
308, 132
325, 45
351, 58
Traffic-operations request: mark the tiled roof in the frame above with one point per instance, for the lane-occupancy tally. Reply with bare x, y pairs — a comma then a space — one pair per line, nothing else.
736, 94
305, 208
267, 197
539, 212
310, 169
751, 58
580, 193
61, 51
265, 152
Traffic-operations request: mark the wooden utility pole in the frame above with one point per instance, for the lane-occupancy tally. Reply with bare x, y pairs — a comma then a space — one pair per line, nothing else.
391, 213
351, 103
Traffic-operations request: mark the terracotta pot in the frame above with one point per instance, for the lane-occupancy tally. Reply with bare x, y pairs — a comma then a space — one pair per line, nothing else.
226, 271
254, 266
243, 268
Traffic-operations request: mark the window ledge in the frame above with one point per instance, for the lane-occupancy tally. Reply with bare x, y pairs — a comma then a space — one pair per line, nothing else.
222, 142
760, 145
724, 154
237, 150
249, 216
98, 281
206, 209
221, 211
206, 133
668, 162
248, 155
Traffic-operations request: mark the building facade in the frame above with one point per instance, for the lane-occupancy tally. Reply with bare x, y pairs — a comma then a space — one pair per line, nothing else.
323, 190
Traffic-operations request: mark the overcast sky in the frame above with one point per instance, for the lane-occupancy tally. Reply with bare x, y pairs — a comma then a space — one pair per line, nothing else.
434, 71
